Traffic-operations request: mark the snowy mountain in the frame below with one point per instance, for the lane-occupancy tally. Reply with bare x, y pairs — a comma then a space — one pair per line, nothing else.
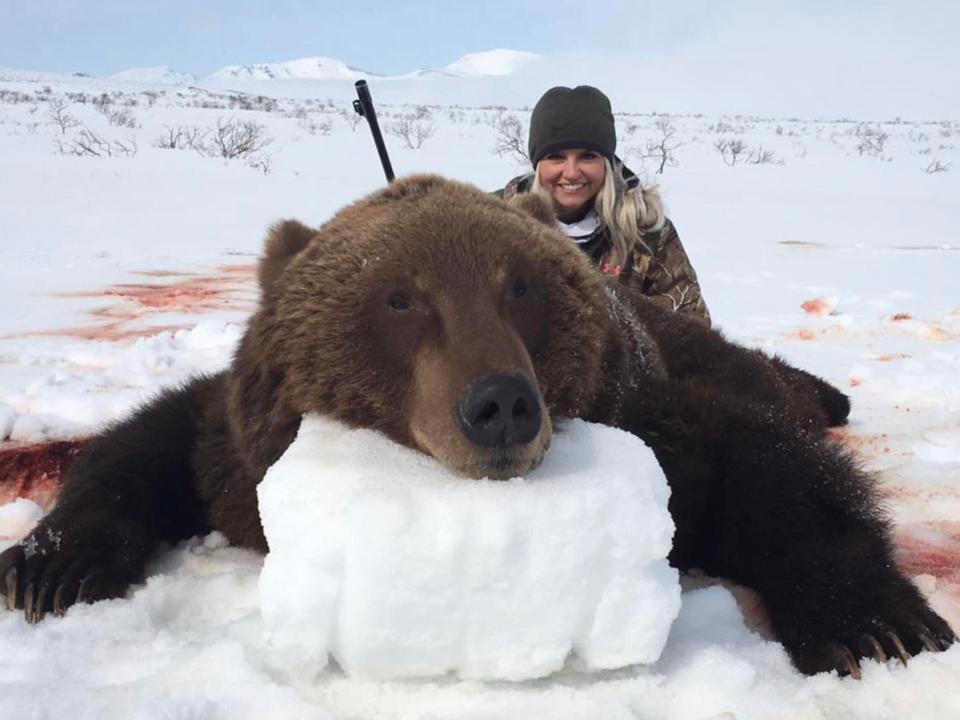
160, 74
312, 68
490, 62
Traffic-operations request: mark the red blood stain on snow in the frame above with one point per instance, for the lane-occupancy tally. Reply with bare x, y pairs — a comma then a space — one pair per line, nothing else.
855, 382
228, 287
887, 357
937, 553
864, 446
897, 493
937, 334
802, 334
922, 329
109, 332
819, 305
35, 472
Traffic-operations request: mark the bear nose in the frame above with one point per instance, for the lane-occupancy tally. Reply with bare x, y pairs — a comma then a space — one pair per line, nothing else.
500, 410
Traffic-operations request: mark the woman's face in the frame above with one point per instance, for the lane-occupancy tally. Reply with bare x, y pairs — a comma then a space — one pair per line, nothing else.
573, 178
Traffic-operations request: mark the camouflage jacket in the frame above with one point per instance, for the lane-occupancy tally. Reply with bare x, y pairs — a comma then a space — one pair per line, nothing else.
665, 276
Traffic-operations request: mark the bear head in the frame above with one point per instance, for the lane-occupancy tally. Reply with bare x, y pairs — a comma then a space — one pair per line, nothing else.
442, 316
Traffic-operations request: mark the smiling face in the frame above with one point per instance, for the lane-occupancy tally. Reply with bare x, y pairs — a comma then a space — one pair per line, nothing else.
572, 178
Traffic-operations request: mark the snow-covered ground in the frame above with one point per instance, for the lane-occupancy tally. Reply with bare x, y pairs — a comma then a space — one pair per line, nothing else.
125, 273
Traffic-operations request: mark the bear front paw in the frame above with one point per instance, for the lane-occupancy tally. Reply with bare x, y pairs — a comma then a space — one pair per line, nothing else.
47, 572
902, 636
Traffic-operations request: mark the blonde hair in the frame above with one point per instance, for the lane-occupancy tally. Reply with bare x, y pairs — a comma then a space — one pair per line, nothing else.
628, 214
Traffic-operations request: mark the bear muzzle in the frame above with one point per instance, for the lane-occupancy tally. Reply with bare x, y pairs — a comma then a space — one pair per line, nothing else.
500, 410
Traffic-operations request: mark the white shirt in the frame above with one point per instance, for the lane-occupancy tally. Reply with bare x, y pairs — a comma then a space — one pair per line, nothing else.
583, 229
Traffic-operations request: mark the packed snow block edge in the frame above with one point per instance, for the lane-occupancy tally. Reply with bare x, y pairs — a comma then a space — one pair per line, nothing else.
386, 561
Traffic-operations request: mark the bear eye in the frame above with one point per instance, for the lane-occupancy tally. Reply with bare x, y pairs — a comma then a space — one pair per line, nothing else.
398, 302
519, 289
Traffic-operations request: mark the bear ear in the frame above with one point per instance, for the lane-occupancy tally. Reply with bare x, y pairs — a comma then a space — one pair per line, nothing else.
284, 241
539, 208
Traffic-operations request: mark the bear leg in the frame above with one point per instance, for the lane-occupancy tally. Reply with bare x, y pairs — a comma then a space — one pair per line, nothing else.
801, 523
131, 488
772, 504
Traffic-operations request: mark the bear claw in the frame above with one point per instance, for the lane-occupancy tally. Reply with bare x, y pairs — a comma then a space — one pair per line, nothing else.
848, 663
59, 610
898, 646
10, 586
41, 603
928, 642
89, 588
28, 602
869, 646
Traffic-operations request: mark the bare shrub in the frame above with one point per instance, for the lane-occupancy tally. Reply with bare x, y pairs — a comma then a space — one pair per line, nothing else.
121, 117
762, 156
315, 127
253, 102
58, 115
353, 119
263, 163
412, 131
422, 112
182, 137
662, 148
511, 138
102, 101
88, 144
14, 97
730, 150
237, 138
870, 140
936, 166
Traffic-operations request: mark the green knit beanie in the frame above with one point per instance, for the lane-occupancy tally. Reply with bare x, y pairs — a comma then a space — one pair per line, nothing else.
566, 118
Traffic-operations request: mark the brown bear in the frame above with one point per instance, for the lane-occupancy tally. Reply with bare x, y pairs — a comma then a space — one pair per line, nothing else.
464, 328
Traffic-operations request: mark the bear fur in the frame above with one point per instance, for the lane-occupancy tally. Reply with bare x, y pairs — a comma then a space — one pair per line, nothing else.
464, 327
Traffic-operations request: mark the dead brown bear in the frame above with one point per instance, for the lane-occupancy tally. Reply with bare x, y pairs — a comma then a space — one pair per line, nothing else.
463, 327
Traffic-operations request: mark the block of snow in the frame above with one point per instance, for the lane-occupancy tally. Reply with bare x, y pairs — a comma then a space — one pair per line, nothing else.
383, 559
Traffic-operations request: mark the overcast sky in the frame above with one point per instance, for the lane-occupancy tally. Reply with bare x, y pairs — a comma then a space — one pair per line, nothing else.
839, 49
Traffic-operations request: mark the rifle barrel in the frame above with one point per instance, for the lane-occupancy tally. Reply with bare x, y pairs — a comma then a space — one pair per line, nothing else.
364, 107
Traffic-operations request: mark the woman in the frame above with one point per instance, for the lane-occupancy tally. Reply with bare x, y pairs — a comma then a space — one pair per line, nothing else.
600, 203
